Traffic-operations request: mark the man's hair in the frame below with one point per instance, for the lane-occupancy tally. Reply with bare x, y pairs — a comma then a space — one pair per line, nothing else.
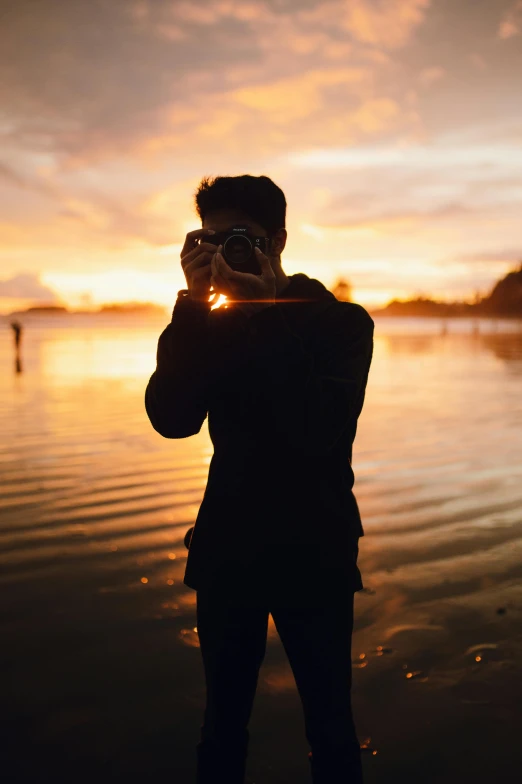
257, 197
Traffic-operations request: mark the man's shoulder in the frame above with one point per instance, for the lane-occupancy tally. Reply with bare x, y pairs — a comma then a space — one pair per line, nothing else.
327, 305
350, 313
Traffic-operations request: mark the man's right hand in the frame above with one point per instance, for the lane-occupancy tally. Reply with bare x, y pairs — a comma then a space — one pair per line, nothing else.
195, 260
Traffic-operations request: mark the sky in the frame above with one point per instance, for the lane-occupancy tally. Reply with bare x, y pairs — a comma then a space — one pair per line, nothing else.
394, 128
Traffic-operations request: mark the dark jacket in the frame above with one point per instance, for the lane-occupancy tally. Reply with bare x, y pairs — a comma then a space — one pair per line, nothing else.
283, 390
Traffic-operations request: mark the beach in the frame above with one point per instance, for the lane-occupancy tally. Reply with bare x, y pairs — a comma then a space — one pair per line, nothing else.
100, 655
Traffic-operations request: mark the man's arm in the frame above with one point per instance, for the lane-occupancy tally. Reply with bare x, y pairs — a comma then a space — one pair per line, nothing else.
308, 400
176, 397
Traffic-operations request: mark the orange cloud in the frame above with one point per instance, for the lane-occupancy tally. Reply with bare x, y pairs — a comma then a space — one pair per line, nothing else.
375, 115
511, 24
163, 59
295, 98
108, 127
386, 23
431, 75
26, 285
317, 106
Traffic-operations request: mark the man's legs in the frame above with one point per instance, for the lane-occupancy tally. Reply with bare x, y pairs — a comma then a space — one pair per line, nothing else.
233, 643
318, 642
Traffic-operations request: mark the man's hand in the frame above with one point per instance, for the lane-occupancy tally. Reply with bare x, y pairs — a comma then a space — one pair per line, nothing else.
250, 293
195, 260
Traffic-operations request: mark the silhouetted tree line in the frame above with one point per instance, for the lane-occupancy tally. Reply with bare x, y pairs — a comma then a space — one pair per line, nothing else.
505, 299
342, 290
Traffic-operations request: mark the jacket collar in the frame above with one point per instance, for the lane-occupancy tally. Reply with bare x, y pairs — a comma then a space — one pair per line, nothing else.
300, 303
304, 299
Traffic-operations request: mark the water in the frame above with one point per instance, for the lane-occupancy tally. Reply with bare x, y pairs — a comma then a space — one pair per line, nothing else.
87, 483
95, 505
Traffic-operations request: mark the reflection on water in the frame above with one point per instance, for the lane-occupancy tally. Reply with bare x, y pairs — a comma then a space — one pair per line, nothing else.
88, 484
509, 350
437, 456
95, 505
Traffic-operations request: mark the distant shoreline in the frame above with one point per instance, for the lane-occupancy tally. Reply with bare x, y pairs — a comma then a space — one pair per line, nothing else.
382, 312
504, 301
60, 310
443, 315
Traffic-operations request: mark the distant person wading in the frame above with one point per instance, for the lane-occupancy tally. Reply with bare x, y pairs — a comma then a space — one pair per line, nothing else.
17, 329
17, 333
281, 371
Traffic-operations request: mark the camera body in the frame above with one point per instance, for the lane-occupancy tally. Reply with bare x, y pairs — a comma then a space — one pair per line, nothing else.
238, 248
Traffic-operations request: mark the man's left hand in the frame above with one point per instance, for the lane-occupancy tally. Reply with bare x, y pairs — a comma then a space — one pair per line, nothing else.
250, 293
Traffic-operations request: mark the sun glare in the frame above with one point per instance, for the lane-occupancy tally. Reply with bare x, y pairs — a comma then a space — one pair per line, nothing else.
220, 300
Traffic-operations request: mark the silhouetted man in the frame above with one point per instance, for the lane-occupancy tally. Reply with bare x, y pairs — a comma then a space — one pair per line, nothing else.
281, 371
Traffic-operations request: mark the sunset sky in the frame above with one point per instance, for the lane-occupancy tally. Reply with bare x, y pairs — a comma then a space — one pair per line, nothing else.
394, 127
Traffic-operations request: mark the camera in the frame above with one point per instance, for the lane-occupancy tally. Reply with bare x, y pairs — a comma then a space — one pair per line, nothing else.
238, 248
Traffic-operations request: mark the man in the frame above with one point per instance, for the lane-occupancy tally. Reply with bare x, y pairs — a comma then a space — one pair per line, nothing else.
281, 372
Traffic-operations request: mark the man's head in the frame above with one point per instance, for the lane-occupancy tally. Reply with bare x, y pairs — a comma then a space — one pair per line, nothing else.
223, 202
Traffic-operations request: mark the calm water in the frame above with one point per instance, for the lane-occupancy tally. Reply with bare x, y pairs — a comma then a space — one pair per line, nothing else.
95, 505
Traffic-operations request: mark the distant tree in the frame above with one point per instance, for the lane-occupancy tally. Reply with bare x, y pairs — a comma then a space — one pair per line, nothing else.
342, 290
506, 296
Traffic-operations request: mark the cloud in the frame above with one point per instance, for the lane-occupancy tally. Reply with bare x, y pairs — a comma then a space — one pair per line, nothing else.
111, 113
387, 23
502, 255
27, 285
76, 211
137, 76
390, 220
478, 61
429, 76
444, 152
316, 106
28, 183
297, 97
83, 83
511, 23
453, 191
383, 23
117, 222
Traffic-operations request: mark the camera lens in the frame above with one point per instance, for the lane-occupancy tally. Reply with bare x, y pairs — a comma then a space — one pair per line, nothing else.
238, 249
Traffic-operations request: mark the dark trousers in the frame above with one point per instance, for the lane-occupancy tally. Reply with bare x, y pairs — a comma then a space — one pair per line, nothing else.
317, 640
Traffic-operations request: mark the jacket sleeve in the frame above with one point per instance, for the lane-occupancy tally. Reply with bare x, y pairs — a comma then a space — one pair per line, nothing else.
303, 398
176, 397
